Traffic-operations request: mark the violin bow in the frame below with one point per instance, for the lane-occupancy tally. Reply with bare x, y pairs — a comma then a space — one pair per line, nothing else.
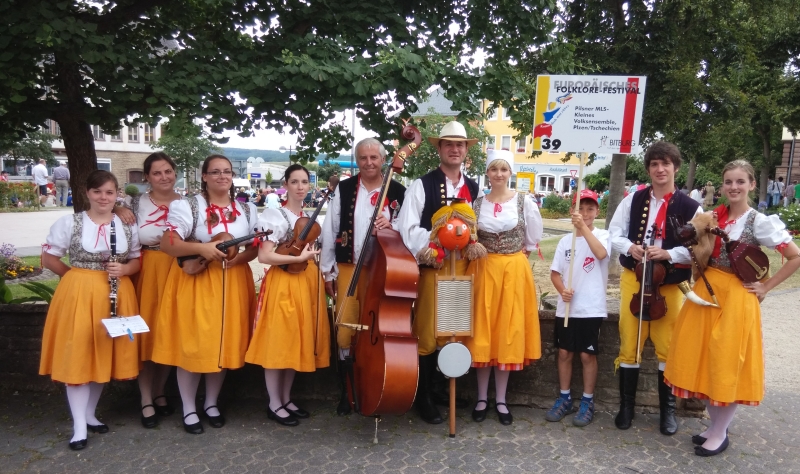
575, 206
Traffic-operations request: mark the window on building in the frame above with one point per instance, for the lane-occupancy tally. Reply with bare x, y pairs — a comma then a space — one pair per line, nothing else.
116, 137
97, 133
547, 184
506, 116
52, 127
521, 146
149, 133
490, 142
565, 184
135, 176
104, 164
505, 142
133, 134
493, 115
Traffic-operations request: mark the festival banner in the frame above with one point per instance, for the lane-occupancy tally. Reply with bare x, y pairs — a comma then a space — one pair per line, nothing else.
595, 114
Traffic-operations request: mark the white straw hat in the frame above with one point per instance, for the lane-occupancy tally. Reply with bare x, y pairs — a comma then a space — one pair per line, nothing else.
453, 131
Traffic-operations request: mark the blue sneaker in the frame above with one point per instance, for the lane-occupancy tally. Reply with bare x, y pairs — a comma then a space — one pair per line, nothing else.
585, 413
561, 408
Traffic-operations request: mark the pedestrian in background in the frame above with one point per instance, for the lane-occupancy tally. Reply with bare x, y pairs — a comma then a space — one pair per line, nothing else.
61, 180
39, 173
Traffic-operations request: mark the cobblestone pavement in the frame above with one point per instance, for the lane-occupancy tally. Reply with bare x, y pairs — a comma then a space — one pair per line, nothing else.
36, 429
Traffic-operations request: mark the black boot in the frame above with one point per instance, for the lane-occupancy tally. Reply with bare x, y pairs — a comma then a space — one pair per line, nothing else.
628, 379
427, 409
345, 372
668, 405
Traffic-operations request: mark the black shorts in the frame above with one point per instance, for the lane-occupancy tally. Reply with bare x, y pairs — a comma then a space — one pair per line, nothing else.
43, 190
582, 335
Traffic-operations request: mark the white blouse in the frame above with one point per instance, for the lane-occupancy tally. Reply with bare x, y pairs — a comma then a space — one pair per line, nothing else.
94, 238
414, 235
506, 218
770, 231
180, 219
152, 220
272, 219
330, 227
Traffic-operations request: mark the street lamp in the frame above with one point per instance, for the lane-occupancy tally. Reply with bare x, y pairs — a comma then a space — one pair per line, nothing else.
283, 149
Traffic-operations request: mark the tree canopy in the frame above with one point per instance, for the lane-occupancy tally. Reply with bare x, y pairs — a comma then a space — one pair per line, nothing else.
286, 65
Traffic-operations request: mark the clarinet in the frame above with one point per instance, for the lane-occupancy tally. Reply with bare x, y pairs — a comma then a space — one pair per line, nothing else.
113, 282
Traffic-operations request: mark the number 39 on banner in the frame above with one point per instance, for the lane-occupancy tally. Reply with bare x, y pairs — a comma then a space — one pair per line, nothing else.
548, 144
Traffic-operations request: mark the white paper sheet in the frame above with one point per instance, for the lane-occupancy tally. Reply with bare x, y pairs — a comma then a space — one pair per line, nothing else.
125, 326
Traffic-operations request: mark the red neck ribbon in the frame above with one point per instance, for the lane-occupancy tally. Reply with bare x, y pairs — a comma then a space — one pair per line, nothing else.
463, 193
163, 217
661, 217
722, 217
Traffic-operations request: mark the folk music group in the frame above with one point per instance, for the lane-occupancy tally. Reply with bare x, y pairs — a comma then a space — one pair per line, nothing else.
205, 321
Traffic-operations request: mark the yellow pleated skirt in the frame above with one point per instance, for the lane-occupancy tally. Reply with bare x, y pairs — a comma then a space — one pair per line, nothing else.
150, 283
191, 334
717, 353
506, 328
76, 349
292, 329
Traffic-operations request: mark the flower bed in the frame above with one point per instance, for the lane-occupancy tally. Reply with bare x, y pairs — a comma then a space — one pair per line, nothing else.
15, 195
12, 267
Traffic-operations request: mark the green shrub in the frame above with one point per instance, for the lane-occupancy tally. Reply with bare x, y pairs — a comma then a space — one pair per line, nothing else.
791, 217
556, 204
131, 190
13, 193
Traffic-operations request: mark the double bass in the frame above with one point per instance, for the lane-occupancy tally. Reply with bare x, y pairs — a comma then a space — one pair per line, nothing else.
385, 363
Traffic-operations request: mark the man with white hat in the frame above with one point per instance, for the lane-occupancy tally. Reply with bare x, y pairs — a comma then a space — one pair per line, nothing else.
423, 198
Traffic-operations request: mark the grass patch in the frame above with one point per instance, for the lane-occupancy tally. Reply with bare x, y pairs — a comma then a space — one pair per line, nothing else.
18, 291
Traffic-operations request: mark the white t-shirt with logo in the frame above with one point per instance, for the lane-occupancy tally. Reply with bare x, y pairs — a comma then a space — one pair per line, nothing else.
589, 276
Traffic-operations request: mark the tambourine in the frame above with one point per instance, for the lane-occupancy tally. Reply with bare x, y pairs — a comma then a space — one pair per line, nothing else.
454, 360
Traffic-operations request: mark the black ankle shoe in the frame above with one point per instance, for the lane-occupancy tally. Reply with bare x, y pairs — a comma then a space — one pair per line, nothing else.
77, 445
343, 408
700, 439
163, 410
149, 421
298, 413
480, 415
505, 418
705, 453
285, 421
215, 421
194, 428
101, 428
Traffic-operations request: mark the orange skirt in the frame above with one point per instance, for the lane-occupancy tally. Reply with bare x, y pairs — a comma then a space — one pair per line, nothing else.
191, 334
506, 328
76, 349
150, 283
292, 330
717, 353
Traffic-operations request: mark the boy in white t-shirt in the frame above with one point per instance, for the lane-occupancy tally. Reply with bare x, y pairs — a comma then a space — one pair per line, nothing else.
587, 306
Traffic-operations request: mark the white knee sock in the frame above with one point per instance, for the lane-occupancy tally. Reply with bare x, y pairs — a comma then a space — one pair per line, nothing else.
274, 380
213, 387
716, 435
500, 386
95, 390
483, 385
78, 397
187, 384
286, 387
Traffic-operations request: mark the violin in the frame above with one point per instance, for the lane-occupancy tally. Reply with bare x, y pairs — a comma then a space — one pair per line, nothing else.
226, 244
306, 231
649, 304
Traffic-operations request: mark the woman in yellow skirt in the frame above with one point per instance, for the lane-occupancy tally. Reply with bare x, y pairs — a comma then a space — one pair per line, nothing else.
150, 211
76, 349
205, 314
716, 354
291, 333
506, 331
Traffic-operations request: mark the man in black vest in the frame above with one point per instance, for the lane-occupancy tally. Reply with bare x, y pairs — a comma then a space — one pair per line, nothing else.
343, 233
424, 197
629, 229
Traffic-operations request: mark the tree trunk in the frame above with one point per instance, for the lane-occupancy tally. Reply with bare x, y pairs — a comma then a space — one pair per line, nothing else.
82, 158
690, 174
764, 178
75, 131
616, 186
